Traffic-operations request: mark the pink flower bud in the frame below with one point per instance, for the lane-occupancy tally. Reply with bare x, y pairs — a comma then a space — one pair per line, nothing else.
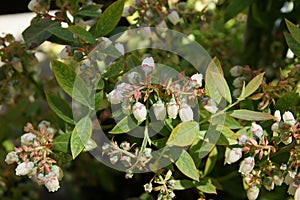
197, 78
172, 109
24, 168
247, 165
238, 82
148, 65
139, 111
173, 17
252, 193
236, 71
11, 157
234, 155
28, 139
51, 183
114, 97
257, 130
277, 116
159, 110
288, 118
186, 113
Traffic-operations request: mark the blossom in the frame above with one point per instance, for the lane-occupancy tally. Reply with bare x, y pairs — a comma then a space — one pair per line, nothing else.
172, 109
278, 179
173, 17
292, 189
159, 110
66, 53
197, 78
252, 193
277, 116
238, 82
27, 139
56, 170
257, 130
211, 106
236, 71
234, 155
162, 24
139, 111
297, 193
51, 183
114, 97
125, 145
105, 42
148, 187
148, 65
247, 165
242, 139
38, 6
127, 11
186, 113
11, 157
114, 159
134, 77
275, 127
24, 168
120, 48
269, 183
288, 118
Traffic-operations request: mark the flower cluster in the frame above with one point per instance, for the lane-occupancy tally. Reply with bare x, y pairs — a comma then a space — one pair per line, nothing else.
33, 156
170, 98
268, 173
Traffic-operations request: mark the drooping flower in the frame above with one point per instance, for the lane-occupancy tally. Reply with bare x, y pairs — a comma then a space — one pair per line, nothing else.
38, 6
292, 189
297, 193
277, 116
11, 157
134, 77
114, 97
161, 24
148, 65
148, 187
173, 17
197, 78
159, 110
172, 109
120, 48
247, 165
234, 155
51, 182
127, 11
252, 193
24, 168
139, 111
236, 71
288, 118
257, 130
186, 112
269, 183
211, 106
125, 145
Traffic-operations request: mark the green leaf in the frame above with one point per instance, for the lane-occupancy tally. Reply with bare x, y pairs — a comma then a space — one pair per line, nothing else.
210, 87
114, 69
125, 125
294, 30
235, 7
183, 134
183, 184
206, 186
38, 32
186, 165
80, 135
222, 86
252, 86
90, 11
227, 137
251, 115
60, 107
109, 19
229, 121
61, 143
211, 161
70, 83
83, 34
132, 61
62, 33
293, 44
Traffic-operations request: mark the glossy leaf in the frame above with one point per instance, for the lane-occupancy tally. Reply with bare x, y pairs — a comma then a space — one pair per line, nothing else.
63, 33
293, 44
109, 19
183, 134
210, 86
211, 161
61, 143
252, 86
251, 115
222, 86
183, 184
125, 125
294, 30
206, 186
38, 32
235, 7
186, 165
80, 135
83, 34
60, 107
90, 11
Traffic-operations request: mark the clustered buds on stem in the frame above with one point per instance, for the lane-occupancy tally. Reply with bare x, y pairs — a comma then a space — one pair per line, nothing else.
33, 156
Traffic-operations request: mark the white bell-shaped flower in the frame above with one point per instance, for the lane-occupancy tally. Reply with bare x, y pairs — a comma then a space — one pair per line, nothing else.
24, 168
186, 112
252, 193
139, 111
257, 130
159, 110
288, 118
172, 109
247, 165
234, 155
